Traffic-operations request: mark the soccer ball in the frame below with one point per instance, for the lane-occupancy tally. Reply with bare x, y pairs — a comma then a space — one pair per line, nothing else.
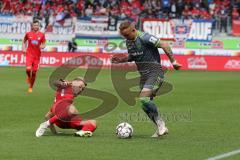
124, 130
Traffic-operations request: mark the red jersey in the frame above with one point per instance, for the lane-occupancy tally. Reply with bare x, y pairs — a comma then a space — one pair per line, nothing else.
35, 39
64, 93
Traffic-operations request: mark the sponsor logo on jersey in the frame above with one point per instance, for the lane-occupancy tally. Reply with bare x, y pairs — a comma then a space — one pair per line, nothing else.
34, 42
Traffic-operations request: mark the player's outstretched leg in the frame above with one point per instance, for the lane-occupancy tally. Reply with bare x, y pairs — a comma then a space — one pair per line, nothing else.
28, 72
32, 80
150, 109
28, 80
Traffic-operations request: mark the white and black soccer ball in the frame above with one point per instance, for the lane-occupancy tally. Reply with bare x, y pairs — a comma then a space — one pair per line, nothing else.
124, 130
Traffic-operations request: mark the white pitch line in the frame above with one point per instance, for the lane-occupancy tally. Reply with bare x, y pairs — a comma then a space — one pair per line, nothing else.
225, 155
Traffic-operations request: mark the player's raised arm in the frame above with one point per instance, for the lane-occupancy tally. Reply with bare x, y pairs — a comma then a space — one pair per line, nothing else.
61, 83
168, 51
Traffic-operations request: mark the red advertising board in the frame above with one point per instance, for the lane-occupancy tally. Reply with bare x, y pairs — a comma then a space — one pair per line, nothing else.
189, 62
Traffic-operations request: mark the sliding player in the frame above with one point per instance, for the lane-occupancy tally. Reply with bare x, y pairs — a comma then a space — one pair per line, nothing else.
143, 49
33, 42
64, 114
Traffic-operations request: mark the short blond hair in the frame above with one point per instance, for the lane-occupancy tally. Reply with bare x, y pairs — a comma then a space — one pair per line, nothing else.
80, 79
125, 25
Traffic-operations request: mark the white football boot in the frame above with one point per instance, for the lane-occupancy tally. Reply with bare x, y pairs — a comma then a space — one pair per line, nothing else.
161, 129
83, 133
41, 129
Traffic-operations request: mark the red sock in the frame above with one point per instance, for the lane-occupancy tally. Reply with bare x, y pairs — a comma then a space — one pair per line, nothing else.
89, 127
28, 72
34, 73
53, 119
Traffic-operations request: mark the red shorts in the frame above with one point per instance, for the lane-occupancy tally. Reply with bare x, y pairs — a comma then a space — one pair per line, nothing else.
73, 124
65, 121
32, 63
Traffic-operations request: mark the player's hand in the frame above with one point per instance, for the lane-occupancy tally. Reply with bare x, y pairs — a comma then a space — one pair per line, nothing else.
176, 65
115, 59
42, 46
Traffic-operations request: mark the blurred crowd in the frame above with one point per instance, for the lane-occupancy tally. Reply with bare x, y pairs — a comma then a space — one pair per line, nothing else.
124, 9
134, 9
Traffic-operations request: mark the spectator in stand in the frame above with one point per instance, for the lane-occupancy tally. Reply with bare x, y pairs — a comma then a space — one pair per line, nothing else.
72, 45
173, 10
204, 14
211, 7
195, 13
100, 10
180, 7
89, 11
223, 19
186, 12
6, 7
235, 14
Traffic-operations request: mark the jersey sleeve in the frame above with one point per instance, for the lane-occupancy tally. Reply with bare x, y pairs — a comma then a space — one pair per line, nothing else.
25, 37
150, 39
130, 58
43, 38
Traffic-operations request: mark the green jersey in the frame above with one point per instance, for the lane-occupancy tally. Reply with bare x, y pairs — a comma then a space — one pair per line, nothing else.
144, 51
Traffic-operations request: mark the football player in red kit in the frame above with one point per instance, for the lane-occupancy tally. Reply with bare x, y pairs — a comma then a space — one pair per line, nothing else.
64, 114
33, 42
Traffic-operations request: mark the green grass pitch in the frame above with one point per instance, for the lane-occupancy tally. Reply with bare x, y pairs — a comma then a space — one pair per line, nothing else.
207, 105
